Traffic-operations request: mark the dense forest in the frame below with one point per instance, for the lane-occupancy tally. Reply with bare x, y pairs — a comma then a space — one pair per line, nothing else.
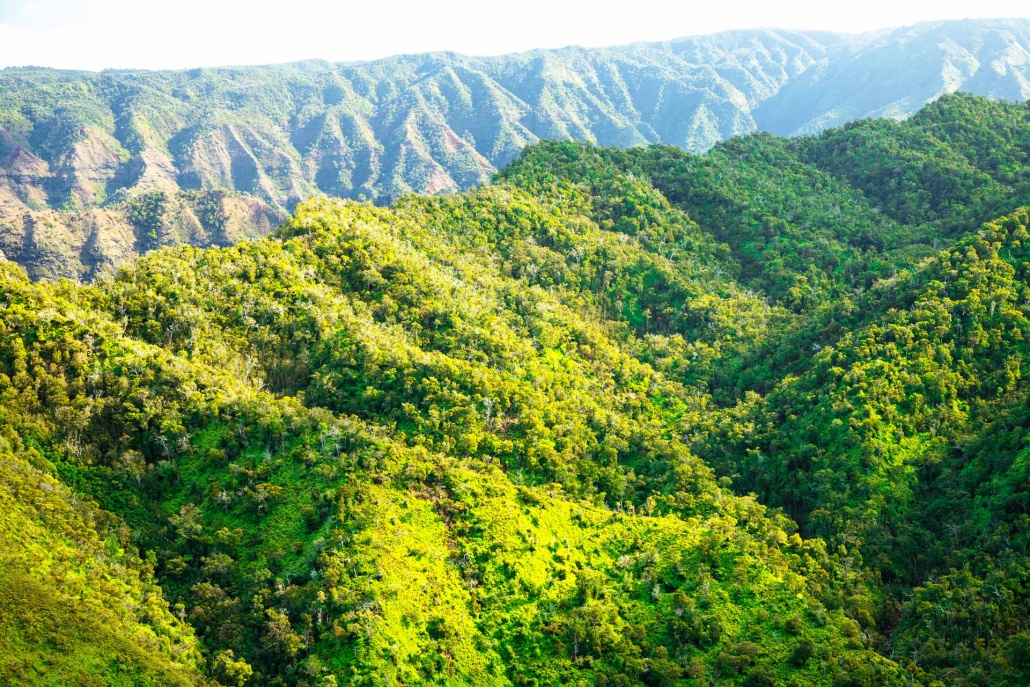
619, 417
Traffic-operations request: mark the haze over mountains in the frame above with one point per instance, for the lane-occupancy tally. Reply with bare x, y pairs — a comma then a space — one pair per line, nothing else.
95, 168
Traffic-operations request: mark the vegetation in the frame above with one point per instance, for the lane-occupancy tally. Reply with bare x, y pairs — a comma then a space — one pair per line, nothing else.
621, 417
75, 146
145, 213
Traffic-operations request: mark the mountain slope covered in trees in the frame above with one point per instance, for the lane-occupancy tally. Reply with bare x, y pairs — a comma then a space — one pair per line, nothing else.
480, 484
620, 417
96, 168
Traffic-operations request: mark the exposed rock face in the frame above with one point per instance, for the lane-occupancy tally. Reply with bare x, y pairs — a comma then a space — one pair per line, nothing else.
80, 244
76, 147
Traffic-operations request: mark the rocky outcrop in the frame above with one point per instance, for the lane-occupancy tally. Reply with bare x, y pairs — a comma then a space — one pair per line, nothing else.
82, 244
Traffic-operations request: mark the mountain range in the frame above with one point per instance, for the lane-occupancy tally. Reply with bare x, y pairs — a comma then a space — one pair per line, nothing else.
98, 167
620, 417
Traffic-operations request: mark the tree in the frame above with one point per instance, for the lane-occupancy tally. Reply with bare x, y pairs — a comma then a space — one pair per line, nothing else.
230, 671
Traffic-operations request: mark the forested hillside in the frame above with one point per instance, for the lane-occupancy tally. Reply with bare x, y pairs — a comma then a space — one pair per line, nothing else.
97, 168
619, 417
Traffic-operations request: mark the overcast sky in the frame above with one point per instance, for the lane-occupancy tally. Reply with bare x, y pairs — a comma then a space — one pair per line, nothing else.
97, 34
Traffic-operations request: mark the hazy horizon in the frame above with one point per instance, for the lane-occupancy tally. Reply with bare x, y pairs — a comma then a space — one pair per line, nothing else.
773, 28
95, 35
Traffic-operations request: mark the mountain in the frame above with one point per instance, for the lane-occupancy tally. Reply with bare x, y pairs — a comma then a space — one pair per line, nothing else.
376, 449
622, 416
225, 154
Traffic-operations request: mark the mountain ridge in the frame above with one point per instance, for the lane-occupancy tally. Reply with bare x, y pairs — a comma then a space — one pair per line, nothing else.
73, 144
620, 417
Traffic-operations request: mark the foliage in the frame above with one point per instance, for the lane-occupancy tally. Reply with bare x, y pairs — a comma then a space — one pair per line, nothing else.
480, 485
145, 213
621, 417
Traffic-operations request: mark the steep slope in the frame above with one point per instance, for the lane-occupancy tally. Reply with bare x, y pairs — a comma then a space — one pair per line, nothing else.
79, 604
71, 141
894, 73
76, 606
82, 244
480, 486
903, 443
959, 162
551, 431
886, 413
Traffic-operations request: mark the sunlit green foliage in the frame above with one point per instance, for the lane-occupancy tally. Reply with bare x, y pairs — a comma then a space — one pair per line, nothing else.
144, 213
619, 418
479, 487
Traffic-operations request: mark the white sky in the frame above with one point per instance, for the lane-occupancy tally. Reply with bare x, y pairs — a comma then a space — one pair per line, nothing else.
98, 34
